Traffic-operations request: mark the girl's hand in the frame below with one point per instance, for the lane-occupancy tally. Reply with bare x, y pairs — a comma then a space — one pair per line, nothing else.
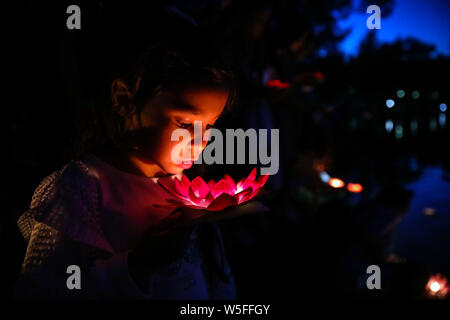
191, 217
159, 246
168, 240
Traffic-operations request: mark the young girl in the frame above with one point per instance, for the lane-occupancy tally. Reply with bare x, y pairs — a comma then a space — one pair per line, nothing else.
105, 214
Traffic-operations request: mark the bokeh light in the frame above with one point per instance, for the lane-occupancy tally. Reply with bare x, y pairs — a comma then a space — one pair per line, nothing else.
399, 131
433, 124
414, 126
401, 93
415, 94
389, 125
336, 183
436, 286
354, 187
325, 177
442, 119
435, 95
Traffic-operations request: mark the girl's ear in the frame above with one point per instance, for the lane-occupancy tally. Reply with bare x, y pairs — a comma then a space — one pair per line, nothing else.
121, 97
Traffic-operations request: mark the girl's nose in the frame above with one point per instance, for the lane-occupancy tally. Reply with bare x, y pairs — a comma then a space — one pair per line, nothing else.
198, 146
196, 149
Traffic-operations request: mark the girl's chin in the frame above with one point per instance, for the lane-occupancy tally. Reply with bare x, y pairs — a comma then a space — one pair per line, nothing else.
174, 169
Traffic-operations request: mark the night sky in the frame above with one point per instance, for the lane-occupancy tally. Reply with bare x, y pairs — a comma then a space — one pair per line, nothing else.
427, 21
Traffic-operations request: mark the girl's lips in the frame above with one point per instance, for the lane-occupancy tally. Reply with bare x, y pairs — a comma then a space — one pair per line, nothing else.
185, 164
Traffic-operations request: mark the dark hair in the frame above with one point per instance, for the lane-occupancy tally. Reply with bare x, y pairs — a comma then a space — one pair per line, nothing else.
161, 67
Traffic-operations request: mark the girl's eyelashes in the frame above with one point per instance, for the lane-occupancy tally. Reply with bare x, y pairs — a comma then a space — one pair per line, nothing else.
188, 125
184, 125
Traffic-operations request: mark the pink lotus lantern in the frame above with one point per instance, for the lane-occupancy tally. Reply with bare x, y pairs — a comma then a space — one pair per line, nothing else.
437, 286
212, 196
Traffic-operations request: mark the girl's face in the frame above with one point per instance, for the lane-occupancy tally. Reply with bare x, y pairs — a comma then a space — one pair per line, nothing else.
163, 114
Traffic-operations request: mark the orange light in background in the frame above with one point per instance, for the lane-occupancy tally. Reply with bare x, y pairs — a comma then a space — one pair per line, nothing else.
319, 166
354, 187
336, 183
437, 286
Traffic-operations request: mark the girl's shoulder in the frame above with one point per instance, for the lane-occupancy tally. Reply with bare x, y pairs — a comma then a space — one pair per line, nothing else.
68, 201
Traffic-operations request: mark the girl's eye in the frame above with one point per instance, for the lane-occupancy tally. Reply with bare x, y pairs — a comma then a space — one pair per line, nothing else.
184, 125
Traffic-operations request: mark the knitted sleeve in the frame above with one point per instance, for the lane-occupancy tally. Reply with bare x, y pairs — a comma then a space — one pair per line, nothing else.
62, 229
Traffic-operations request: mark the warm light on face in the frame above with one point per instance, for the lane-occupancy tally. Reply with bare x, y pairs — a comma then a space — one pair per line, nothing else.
354, 187
336, 183
176, 111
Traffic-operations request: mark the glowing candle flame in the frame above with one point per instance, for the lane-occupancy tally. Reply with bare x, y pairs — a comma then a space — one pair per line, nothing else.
437, 286
354, 187
336, 183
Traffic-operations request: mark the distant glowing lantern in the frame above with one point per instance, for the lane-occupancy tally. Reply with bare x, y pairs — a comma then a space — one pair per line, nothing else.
437, 286
275, 83
354, 187
336, 183
400, 93
318, 75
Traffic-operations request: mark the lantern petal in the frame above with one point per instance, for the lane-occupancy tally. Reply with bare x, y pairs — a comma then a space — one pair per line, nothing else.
168, 183
230, 180
262, 180
243, 195
223, 186
183, 186
177, 202
199, 187
252, 175
212, 196
251, 184
251, 195
202, 202
222, 201
211, 184
241, 184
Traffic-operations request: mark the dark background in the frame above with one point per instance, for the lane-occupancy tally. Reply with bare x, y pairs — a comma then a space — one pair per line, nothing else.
316, 240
